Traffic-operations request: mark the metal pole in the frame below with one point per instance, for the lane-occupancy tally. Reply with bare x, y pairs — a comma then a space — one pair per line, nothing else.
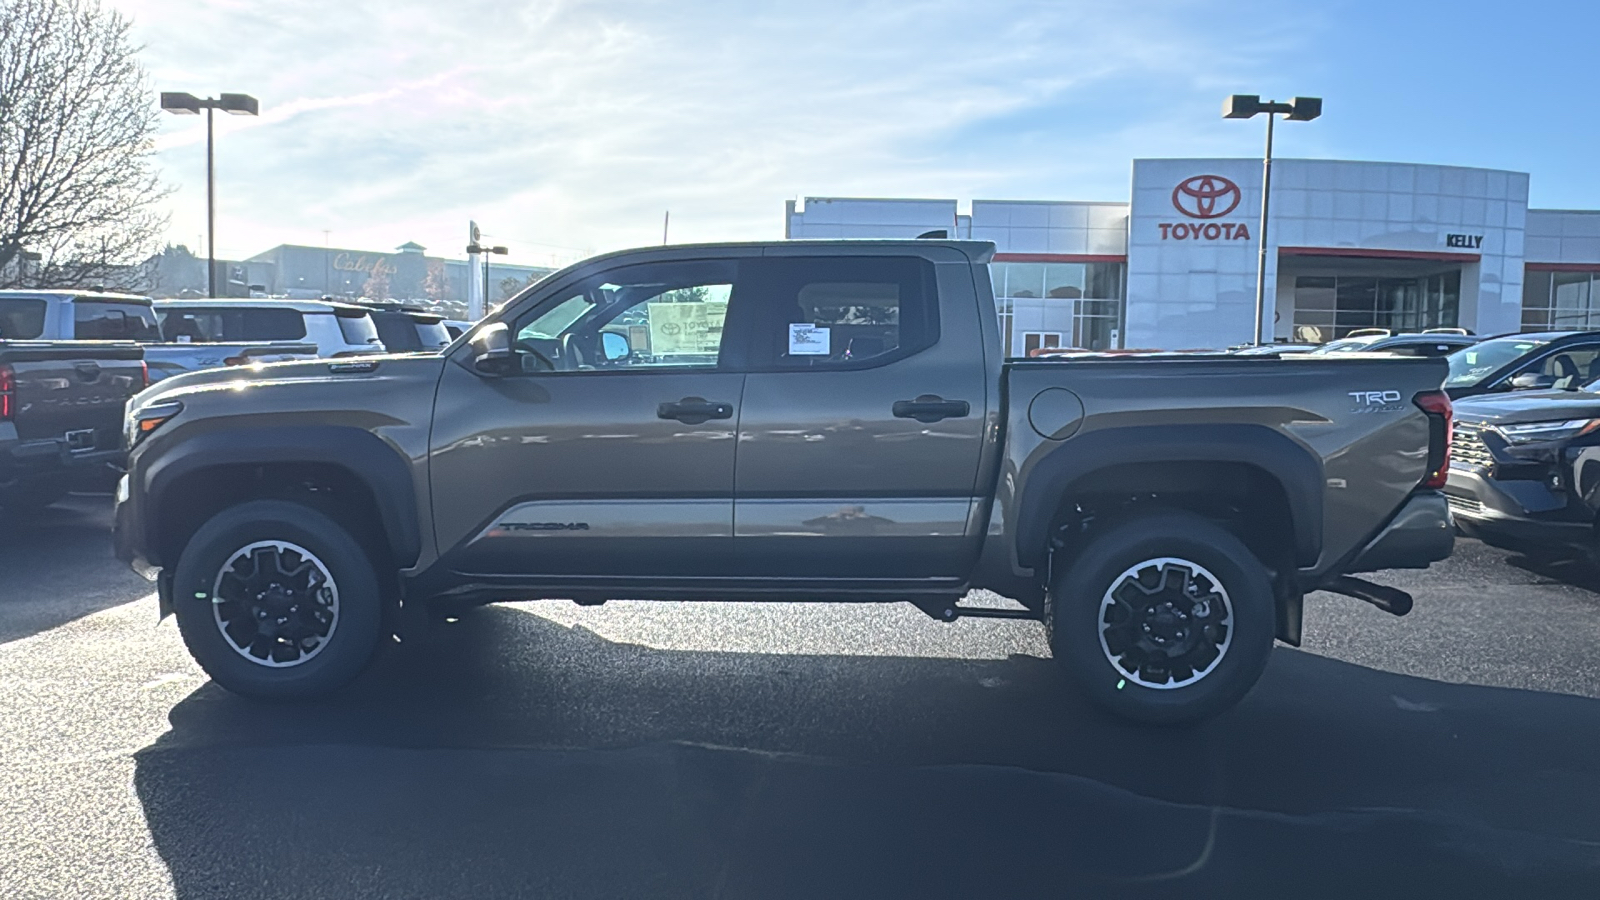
211, 212
486, 283
666, 220
1261, 237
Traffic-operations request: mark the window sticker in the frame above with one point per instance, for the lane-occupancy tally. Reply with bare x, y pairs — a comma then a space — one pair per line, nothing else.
806, 339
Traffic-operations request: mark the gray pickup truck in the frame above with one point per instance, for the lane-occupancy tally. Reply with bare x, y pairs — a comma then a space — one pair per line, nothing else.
784, 421
61, 406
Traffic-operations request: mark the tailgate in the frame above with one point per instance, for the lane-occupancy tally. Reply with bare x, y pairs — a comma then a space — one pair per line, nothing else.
72, 386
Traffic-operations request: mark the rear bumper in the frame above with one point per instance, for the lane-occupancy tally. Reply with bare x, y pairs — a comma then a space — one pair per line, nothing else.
30, 459
1420, 534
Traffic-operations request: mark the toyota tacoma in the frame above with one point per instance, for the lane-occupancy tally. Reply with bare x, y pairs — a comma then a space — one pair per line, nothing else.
797, 420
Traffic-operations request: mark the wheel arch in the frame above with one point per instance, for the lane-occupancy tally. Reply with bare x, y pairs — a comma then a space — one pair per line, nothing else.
1190, 466
203, 474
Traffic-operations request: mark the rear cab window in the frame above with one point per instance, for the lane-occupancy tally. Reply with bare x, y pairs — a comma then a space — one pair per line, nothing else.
22, 318
95, 319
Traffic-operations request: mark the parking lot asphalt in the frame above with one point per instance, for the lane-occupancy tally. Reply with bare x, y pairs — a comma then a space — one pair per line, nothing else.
754, 750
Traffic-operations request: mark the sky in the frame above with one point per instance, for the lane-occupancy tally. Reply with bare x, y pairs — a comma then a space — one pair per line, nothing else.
569, 127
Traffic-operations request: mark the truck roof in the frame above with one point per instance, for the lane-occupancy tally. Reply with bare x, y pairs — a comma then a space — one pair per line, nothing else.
977, 251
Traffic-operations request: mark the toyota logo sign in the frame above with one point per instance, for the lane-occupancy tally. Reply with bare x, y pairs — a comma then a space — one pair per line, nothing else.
1206, 197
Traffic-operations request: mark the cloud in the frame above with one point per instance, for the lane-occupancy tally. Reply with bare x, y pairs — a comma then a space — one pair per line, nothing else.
576, 124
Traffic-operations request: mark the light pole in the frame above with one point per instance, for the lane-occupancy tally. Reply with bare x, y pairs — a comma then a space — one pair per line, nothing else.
190, 105
1245, 106
476, 247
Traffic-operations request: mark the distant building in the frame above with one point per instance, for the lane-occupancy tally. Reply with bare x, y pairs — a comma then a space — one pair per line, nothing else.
300, 272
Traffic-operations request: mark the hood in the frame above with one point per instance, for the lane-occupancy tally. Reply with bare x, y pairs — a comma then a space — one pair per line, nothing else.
323, 372
1529, 406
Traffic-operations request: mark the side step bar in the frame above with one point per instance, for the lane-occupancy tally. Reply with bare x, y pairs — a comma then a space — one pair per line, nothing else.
1390, 600
948, 610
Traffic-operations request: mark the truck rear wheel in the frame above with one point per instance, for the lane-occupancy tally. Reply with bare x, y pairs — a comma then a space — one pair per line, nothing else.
276, 600
1166, 618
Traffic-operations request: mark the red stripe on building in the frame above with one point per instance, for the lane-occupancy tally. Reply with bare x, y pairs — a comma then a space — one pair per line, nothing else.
1562, 267
1379, 254
1061, 257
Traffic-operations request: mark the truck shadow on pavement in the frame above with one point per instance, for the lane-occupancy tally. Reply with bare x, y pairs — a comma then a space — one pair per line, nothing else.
516, 757
56, 565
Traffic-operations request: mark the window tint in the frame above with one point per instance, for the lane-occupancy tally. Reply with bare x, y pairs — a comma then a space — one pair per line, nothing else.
397, 332
101, 320
21, 319
358, 329
841, 312
637, 317
432, 335
201, 325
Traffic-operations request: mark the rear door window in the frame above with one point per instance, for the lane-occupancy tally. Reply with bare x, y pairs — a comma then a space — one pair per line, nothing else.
110, 320
21, 319
843, 312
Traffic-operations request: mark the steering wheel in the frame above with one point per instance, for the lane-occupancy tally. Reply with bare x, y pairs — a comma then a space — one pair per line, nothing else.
573, 352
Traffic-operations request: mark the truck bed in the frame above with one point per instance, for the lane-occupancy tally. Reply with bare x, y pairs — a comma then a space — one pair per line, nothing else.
1364, 437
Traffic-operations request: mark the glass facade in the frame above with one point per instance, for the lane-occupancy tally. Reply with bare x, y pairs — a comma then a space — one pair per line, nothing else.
1328, 307
1059, 304
1560, 300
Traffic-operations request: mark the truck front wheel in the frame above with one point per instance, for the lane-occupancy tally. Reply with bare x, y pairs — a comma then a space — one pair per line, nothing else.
1165, 618
277, 601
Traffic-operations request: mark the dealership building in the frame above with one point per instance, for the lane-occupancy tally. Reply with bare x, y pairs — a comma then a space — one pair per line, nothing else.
1349, 245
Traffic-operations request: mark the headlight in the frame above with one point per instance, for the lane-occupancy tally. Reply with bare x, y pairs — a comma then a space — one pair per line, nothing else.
1530, 432
140, 422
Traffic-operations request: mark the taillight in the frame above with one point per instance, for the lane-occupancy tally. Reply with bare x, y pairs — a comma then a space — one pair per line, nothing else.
1440, 420
144, 372
8, 392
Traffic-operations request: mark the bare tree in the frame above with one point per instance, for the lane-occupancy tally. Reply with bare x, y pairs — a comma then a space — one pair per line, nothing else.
376, 287
437, 285
78, 192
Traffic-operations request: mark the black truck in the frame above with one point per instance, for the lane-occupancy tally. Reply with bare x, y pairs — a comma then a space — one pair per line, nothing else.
61, 408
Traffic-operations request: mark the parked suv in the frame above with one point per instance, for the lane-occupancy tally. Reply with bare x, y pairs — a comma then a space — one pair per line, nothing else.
1525, 474
798, 420
337, 329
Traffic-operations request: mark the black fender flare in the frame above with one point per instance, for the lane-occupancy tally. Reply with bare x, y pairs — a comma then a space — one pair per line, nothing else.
367, 457
1295, 468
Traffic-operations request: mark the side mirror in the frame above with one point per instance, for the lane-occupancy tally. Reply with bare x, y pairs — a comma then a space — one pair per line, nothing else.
491, 350
614, 346
1532, 381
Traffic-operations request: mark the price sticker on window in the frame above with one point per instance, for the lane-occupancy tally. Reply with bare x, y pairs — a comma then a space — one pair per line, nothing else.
806, 339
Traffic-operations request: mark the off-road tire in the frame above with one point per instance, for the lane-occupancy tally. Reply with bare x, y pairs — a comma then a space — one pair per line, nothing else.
357, 623
1083, 600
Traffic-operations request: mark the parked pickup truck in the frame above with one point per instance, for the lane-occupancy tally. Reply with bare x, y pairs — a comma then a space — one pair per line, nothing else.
61, 408
99, 315
788, 421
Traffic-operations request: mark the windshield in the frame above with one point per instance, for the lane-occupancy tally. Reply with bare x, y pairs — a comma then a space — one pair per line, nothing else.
1471, 365
21, 319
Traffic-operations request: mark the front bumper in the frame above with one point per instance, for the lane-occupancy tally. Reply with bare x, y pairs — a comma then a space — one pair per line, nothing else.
1420, 534
1517, 513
